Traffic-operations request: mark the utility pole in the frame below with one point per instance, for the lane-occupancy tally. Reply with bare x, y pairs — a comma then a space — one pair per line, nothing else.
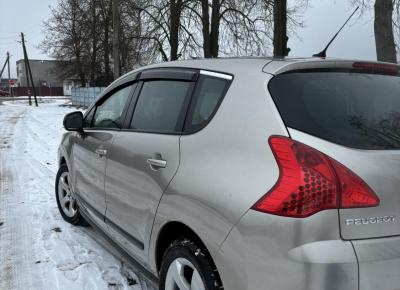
4, 66
116, 30
8, 69
6, 63
28, 72
26, 68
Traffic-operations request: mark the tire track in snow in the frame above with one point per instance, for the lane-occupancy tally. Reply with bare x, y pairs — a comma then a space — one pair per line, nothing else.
7, 272
15, 253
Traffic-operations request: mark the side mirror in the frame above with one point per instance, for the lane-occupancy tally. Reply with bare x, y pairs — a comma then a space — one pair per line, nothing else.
73, 121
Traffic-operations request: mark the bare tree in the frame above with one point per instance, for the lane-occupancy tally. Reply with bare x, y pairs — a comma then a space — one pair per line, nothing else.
116, 38
65, 36
94, 45
387, 20
83, 33
175, 8
280, 28
164, 28
232, 27
213, 37
181, 29
245, 28
384, 38
106, 19
78, 33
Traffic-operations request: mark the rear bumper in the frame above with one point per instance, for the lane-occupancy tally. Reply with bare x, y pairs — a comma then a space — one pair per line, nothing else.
270, 252
379, 263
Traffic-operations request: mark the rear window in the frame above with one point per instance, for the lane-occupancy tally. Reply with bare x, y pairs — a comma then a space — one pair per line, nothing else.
358, 110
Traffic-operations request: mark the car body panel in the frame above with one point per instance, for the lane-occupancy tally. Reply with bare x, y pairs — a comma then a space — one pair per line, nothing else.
134, 189
89, 169
198, 195
379, 263
272, 252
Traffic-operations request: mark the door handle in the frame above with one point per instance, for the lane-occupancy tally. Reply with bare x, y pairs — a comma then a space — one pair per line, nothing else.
156, 164
101, 152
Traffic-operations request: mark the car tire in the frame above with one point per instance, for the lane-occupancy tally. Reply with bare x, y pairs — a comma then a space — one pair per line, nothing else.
187, 261
66, 202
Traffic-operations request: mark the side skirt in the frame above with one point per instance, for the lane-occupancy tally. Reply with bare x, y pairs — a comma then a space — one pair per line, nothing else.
120, 253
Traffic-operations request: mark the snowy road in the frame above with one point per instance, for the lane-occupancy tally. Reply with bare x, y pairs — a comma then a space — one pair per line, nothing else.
38, 250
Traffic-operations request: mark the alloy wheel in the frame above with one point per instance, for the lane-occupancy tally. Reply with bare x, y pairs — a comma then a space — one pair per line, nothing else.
182, 275
67, 200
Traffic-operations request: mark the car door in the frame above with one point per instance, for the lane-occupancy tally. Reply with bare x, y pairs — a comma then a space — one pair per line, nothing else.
90, 150
145, 156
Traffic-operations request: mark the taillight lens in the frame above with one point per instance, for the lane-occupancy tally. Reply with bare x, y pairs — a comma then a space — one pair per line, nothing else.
310, 182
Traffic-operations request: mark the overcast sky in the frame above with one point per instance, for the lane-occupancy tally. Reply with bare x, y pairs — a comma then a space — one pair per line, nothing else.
322, 19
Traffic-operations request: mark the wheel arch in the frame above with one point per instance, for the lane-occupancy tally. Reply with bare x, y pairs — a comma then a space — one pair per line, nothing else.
62, 161
170, 232
63, 156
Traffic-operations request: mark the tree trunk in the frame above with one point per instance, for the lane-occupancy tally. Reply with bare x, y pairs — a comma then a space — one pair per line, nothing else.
94, 45
79, 67
116, 38
215, 24
175, 10
205, 19
280, 28
77, 44
81, 73
384, 38
106, 45
138, 27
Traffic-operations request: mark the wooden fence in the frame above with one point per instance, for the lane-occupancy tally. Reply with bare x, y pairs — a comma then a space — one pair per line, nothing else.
40, 91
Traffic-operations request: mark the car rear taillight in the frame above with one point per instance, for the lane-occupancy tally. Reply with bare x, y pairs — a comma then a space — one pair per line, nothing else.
310, 182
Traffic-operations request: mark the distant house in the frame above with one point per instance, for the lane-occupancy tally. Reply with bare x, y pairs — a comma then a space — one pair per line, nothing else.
45, 73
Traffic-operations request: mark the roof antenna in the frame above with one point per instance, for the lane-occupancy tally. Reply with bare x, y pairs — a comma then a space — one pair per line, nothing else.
323, 53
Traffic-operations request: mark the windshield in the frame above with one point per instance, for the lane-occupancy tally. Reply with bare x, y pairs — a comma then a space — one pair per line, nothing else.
358, 110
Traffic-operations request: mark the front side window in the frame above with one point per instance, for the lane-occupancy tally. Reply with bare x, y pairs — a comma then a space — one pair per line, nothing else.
109, 113
161, 106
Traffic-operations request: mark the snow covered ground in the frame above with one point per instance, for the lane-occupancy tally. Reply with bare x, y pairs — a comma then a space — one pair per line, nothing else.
38, 250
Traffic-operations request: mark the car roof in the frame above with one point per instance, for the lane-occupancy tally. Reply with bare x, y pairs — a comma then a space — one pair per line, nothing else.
270, 65
227, 65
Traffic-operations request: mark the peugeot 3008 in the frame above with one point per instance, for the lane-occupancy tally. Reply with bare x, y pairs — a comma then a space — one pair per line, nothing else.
244, 174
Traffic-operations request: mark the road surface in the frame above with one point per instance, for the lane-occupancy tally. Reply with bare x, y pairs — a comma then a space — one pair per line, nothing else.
38, 250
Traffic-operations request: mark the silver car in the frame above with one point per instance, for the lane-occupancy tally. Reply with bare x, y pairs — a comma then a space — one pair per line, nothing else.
244, 174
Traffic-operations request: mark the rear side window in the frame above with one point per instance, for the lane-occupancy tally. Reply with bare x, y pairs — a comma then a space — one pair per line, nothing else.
161, 106
358, 110
209, 94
